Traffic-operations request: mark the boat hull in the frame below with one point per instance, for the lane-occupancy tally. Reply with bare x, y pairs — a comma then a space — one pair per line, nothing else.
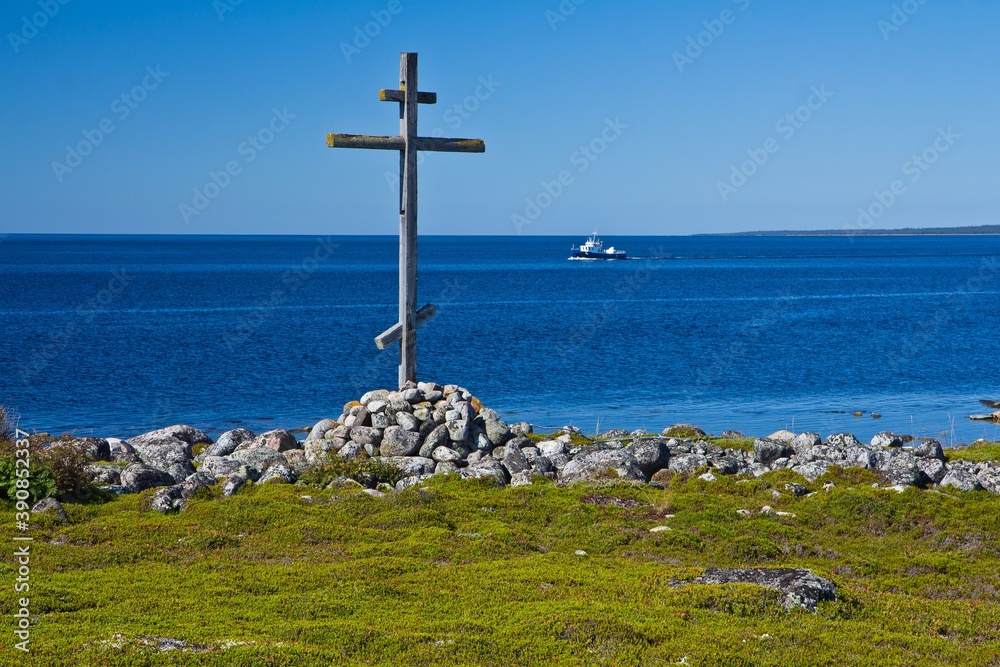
580, 254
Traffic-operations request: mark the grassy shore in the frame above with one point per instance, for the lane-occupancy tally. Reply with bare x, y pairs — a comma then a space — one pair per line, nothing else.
460, 572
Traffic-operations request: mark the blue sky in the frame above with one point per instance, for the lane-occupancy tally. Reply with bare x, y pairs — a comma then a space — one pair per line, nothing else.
658, 117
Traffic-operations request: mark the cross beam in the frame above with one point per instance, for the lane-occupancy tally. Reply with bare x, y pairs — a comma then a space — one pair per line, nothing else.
408, 143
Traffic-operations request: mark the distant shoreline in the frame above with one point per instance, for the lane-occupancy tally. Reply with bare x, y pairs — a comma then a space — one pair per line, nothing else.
981, 230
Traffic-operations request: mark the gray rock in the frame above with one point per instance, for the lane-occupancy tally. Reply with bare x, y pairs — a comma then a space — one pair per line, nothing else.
278, 474
320, 429
801, 587
381, 421
731, 435
139, 477
559, 461
887, 439
989, 479
236, 481
860, 457
687, 463
297, 460
796, 490
438, 437
604, 465
485, 469
551, 447
521, 428
783, 435
443, 454
228, 442
612, 434
806, 440
961, 479
167, 499
165, 453
928, 449
96, 449
376, 395
407, 421
498, 432
362, 417
116, 489
396, 441
50, 506
904, 476
259, 459
726, 465
413, 395
367, 435
199, 480
191, 436
651, 454
513, 461
277, 440
934, 469
410, 465
812, 470
412, 480
103, 475
122, 452
317, 451
219, 466
458, 430
353, 451
445, 467
843, 441
767, 451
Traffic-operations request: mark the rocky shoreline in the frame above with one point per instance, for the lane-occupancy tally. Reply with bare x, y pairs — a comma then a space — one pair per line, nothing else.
428, 429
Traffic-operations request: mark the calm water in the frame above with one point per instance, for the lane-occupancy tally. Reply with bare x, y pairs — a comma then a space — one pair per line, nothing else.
117, 335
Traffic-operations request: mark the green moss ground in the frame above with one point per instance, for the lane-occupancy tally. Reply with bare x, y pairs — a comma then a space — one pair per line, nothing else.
465, 573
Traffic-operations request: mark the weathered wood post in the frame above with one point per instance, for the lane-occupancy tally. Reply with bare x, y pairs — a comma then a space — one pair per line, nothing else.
407, 143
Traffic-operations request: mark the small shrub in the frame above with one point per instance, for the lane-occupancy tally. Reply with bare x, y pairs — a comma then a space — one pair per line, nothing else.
56, 469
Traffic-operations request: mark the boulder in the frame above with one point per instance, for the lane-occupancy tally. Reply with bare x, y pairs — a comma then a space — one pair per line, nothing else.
167, 499
236, 481
686, 463
277, 440
218, 466
928, 449
934, 469
258, 459
367, 435
410, 465
782, 436
227, 443
320, 429
278, 473
766, 452
961, 479
812, 470
603, 465
317, 451
139, 477
122, 452
521, 428
806, 440
165, 453
843, 441
458, 430
801, 587
887, 439
407, 421
96, 449
513, 461
353, 450
651, 454
438, 437
551, 447
444, 454
497, 431
397, 441
487, 468
50, 506
103, 475
191, 436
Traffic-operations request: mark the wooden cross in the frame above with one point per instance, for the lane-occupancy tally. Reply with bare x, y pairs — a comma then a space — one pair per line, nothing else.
407, 143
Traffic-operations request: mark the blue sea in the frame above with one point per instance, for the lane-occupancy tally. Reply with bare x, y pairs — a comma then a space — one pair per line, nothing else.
116, 335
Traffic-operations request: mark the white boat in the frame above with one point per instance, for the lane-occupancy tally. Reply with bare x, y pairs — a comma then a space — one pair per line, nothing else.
594, 249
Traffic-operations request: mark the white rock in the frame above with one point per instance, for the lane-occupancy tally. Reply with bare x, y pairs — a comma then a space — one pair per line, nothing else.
660, 529
579, 552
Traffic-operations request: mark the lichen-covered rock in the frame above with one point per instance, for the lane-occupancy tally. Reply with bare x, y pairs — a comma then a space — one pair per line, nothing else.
604, 465
277, 440
806, 440
887, 439
843, 441
397, 441
227, 443
96, 449
103, 475
367, 435
320, 428
651, 454
259, 459
278, 474
188, 434
317, 451
139, 477
767, 451
928, 449
218, 466
50, 506
165, 453
812, 470
801, 587
687, 463
960, 478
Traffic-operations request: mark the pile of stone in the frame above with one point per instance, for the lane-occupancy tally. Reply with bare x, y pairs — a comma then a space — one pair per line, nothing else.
428, 429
